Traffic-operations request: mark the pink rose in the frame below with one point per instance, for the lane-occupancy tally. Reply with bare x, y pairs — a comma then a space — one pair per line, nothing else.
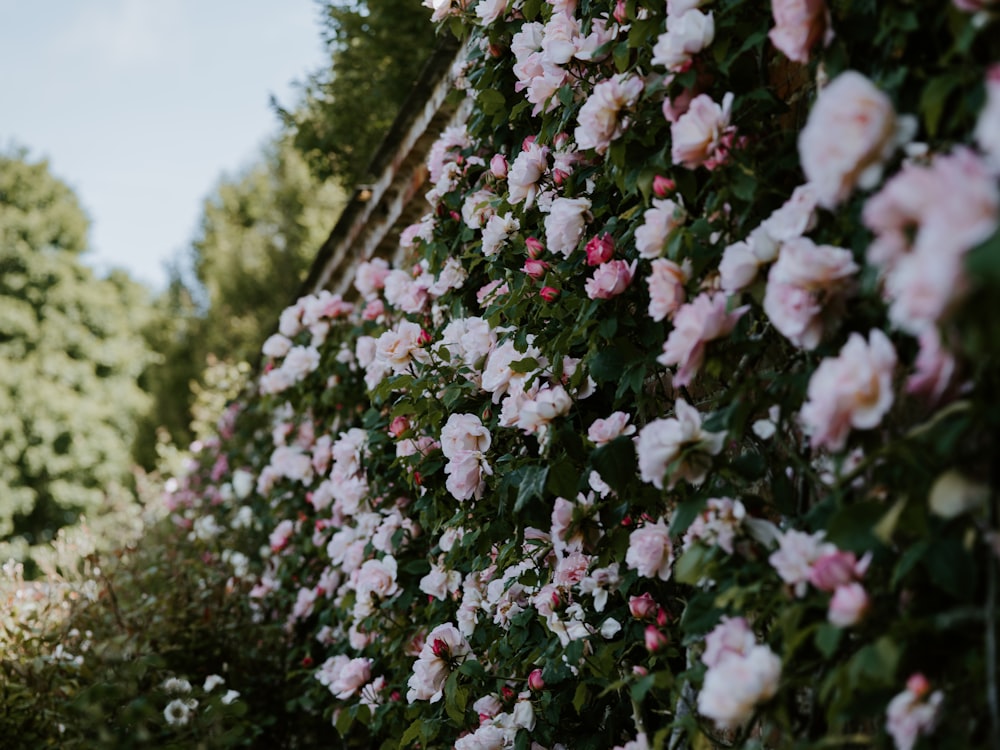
848, 605
702, 135
600, 249
605, 430
650, 551
535, 268
663, 186
370, 276
738, 267
465, 475
351, 677
464, 432
851, 131
695, 324
833, 570
853, 389
799, 24
734, 687
443, 648
498, 166
610, 279
687, 34
796, 555
805, 286
643, 607
548, 293
666, 288
524, 174
659, 223
564, 224
731, 637
661, 442
600, 121
378, 578
399, 348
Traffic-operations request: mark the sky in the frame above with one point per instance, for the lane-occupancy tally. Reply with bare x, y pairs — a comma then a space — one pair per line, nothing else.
141, 106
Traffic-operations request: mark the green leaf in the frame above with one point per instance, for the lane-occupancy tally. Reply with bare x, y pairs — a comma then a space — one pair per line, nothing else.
690, 566
412, 733
528, 364
532, 485
828, 639
685, 514
491, 101
580, 697
615, 462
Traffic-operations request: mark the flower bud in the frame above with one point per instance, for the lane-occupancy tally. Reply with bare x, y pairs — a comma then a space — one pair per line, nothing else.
918, 685
621, 13
535, 681
656, 640
535, 268
498, 166
440, 649
398, 426
663, 186
643, 606
535, 247
548, 293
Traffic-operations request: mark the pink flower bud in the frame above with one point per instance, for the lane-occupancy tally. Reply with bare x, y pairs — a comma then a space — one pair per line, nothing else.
643, 606
424, 338
548, 293
639, 671
559, 176
507, 692
374, 309
455, 215
656, 640
848, 606
663, 186
498, 166
620, 14
398, 426
918, 685
600, 249
535, 247
661, 617
535, 268
535, 681
527, 142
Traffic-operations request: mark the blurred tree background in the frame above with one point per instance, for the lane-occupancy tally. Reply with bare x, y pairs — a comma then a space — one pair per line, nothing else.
71, 353
99, 374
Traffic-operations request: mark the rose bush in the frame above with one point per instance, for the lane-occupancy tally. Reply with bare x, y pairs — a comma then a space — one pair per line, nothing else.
637, 448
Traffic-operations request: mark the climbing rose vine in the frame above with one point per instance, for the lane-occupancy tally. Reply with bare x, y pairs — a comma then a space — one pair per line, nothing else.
677, 423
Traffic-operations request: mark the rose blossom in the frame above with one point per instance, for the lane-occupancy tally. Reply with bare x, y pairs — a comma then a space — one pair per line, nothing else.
805, 286
398, 348
525, 172
731, 637
659, 223
498, 228
350, 678
913, 713
276, 346
662, 441
666, 288
465, 474
370, 277
796, 555
864, 123
600, 249
735, 686
464, 432
687, 34
695, 324
610, 279
564, 224
443, 648
799, 24
702, 135
650, 551
848, 605
605, 430
853, 389
599, 116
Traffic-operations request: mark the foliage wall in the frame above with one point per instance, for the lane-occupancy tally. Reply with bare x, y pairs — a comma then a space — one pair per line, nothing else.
71, 358
678, 428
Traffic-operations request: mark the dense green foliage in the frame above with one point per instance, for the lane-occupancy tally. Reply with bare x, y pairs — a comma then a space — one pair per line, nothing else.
377, 48
71, 357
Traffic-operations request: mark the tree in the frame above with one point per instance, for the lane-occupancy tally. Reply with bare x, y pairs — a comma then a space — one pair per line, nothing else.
377, 48
72, 356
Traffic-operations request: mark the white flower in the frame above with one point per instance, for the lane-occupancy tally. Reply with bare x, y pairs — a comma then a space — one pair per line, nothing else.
178, 711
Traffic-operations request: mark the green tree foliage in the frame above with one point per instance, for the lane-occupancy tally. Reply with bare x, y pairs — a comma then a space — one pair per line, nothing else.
70, 356
377, 48
259, 232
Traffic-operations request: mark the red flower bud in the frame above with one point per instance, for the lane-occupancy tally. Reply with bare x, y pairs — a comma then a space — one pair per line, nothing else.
548, 293
307, 661
507, 692
918, 685
440, 649
663, 186
620, 14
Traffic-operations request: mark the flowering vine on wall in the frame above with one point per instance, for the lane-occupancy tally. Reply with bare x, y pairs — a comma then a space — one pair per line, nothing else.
679, 426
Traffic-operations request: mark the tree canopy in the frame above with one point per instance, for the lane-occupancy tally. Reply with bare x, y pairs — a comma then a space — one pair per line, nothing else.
71, 357
377, 48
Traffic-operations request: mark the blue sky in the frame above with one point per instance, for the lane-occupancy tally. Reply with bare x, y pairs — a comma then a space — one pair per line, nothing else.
141, 106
